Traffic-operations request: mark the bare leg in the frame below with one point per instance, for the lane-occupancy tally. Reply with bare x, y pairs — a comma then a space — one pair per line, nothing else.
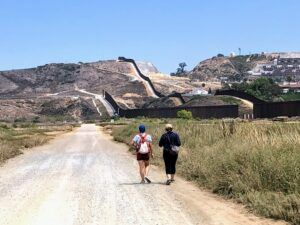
147, 168
168, 179
142, 169
172, 176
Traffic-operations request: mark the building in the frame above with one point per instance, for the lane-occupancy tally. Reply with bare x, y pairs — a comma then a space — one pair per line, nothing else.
286, 66
197, 91
290, 87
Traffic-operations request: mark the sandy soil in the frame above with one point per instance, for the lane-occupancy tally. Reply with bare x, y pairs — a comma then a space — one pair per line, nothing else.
83, 177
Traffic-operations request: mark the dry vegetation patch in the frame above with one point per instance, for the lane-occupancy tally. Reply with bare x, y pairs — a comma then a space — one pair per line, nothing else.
257, 164
14, 139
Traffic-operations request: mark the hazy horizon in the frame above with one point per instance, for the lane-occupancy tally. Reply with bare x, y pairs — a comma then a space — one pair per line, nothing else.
165, 33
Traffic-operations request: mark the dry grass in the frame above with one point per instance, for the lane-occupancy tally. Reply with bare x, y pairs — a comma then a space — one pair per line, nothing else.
14, 140
258, 164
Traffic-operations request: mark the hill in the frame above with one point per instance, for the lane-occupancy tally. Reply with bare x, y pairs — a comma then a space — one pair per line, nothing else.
74, 90
235, 68
59, 78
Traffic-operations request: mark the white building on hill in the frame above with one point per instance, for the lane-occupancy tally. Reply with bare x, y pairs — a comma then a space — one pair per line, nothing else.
198, 91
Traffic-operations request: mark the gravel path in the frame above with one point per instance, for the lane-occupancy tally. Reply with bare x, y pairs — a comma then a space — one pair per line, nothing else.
83, 177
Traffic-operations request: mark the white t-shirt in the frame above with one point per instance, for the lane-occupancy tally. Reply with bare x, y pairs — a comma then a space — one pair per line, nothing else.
137, 138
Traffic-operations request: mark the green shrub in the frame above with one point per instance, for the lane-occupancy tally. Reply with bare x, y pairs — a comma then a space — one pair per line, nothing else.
35, 119
90, 121
115, 117
27, 125
184, 114
20, 120
4, 126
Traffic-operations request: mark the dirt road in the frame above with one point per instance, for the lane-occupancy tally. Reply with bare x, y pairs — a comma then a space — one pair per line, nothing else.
84, 177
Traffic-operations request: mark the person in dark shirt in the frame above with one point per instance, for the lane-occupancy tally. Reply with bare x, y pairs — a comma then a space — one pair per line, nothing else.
170, 141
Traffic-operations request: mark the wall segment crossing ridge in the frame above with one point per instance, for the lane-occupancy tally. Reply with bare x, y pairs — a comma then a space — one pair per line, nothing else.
157, 94
145, 78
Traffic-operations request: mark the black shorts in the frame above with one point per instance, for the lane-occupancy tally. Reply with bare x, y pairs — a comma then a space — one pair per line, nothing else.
142, 157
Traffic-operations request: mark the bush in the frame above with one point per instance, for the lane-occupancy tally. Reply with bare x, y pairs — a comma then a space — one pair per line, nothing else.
115, 117
27, 125
35, 119
263, 88
4, 126
20, 120
184, 114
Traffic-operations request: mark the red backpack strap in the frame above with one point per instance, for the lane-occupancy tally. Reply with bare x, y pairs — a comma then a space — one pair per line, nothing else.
143, 138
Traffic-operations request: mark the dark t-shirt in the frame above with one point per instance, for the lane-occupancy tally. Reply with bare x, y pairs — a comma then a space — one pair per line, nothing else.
168, 139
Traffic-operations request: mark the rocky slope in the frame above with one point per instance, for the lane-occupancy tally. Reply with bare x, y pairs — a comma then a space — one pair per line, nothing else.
147, 67
231, 67
58, 78
53, 89
45, 109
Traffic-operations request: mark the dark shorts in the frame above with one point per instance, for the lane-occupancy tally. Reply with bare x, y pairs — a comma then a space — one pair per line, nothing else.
142, 157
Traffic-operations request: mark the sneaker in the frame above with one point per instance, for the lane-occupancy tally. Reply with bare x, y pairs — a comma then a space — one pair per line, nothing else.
168, 182
148, 180
172, 180
142, 181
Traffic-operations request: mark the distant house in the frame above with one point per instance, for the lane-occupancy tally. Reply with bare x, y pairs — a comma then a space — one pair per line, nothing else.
286, 64
197, 91
293, 87
223, 80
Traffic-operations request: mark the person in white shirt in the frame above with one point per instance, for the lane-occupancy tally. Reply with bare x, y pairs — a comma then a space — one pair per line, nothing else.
142, 143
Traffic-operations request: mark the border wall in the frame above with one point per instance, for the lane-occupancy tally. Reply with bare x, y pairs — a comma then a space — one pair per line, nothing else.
275, 109
240, 94
141, 75
174, 94
202, 112
263, 109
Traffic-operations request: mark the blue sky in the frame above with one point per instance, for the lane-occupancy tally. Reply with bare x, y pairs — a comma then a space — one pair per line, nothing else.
165, 32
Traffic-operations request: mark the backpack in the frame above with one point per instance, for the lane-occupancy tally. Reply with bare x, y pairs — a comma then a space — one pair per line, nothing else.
144, 147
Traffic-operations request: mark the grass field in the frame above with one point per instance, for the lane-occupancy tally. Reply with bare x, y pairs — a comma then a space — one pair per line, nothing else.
291, 97
14, 138
255, 163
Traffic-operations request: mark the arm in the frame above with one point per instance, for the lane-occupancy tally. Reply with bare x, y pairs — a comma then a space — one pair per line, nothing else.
134, 143
161, 141
151, 150
178, 140
150, 146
